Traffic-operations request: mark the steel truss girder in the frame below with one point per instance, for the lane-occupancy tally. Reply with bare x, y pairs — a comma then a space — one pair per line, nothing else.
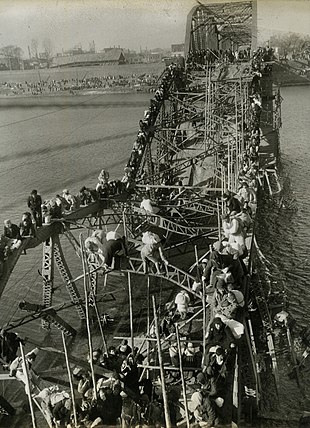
233, 21
170, 273
59, 323
67, 277
170, 226
96, 222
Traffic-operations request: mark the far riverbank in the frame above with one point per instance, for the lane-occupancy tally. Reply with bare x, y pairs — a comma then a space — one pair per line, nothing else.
91, 81
80, 72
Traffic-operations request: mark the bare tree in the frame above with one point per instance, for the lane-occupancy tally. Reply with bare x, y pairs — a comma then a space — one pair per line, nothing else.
290, 43
34, 48
48, 50
12, 51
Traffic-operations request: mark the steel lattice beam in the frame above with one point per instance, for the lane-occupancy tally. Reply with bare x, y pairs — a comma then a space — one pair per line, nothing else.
48, 275
67, 277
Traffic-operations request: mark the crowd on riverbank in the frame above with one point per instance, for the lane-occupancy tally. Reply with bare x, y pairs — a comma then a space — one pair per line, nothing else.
133, 82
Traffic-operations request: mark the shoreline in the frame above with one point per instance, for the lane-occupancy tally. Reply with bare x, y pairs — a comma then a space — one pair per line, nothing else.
83, 92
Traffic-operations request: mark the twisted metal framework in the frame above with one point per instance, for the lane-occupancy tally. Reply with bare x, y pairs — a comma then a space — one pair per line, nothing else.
201, 140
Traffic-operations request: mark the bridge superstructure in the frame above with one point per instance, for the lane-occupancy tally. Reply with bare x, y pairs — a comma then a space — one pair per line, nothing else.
191, 152
221, 26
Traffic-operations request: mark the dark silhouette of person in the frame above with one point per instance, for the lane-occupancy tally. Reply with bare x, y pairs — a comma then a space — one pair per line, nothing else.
34, 203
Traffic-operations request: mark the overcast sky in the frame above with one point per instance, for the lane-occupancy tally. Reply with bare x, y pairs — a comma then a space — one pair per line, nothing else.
131, 24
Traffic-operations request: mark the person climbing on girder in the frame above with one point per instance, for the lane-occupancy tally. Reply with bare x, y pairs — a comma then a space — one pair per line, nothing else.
105, 246
152, 250
17, 370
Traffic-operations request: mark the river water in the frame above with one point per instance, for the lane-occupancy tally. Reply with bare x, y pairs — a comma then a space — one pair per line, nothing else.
53, 146
287, 230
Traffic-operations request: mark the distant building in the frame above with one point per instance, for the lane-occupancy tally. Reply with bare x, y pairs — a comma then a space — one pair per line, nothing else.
109, 56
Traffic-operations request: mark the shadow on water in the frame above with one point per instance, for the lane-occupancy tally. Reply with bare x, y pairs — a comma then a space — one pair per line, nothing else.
73, 145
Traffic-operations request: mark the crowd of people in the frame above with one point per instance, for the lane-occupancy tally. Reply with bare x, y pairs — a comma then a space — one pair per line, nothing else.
125, 394
136, 82
199, 59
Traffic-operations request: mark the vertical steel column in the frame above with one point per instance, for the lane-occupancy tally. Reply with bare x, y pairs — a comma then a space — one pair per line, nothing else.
48, 276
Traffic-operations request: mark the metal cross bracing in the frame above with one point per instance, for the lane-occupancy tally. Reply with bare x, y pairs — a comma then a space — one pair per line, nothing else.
220, 26
219, 114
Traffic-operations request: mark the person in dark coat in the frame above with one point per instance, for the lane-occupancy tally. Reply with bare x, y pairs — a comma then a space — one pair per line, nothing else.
34, 203
11, 230
232, 203
9, 345
216, 263
220, 334
12, 236
26, 227
219, 262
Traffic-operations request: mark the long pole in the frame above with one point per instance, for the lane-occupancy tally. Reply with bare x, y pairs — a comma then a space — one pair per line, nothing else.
162, 373
218, 217
70, 378
148, 323
196, 256
204, 321
228, 168
90, 345
105, 346
124, 223
182, 374
27, 385
130, 310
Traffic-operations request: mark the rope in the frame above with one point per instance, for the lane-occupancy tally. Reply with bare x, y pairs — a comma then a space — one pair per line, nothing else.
50, 112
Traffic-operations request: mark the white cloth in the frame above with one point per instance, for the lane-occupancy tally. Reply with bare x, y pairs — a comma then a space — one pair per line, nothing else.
182, 300
236, 327
112, 236
239, 297
146, 204
150, 238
